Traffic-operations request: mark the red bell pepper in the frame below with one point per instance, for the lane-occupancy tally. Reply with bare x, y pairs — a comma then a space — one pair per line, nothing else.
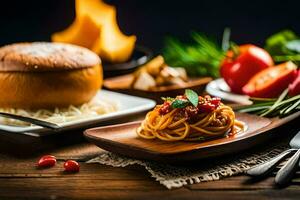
271, 82
294, 87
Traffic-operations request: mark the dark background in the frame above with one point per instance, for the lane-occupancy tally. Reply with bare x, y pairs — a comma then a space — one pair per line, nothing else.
250, 21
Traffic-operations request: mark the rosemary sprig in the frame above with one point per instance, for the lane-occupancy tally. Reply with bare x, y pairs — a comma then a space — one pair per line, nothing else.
280, 107
276, 103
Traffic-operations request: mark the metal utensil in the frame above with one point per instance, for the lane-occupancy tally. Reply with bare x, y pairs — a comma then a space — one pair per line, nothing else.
34, 121
286, 173
266, 168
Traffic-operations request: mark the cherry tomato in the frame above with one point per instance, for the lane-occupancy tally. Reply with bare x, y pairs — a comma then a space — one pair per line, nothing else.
294, 87
207, 107
238, 69
215, 101
271, 82
165, 108
47, 161
71, 166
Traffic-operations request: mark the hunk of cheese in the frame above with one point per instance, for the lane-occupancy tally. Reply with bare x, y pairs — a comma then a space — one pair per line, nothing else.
113, 45
83, 32
96, 28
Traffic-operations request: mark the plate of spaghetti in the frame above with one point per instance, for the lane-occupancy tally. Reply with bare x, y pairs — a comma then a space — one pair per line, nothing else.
178, 119
187, 127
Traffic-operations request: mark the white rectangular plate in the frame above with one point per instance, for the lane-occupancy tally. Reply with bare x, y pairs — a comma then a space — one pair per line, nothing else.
127, 105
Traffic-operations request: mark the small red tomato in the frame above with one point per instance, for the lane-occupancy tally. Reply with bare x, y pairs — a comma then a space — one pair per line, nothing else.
207, 107
215, 101
238, 69
71, 166
294, 87
271, 82
165, 108
47, 161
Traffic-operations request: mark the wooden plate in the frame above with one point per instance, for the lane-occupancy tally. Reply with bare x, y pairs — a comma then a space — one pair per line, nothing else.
122, 84
122, 139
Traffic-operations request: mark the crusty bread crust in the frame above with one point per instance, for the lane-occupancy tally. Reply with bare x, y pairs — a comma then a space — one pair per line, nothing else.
45, 56
35, 90
65, 75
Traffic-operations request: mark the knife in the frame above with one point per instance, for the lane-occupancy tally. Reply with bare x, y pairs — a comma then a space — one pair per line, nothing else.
266, 168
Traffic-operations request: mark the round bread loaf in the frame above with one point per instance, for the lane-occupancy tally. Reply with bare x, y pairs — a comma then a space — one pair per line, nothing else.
47, 75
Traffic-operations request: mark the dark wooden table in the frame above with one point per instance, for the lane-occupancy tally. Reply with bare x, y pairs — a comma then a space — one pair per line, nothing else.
20, 179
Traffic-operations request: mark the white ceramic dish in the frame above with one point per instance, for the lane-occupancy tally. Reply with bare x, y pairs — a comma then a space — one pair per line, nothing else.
219, 88
127, 105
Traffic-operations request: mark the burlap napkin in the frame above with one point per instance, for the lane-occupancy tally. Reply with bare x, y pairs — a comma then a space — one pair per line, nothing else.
174, 176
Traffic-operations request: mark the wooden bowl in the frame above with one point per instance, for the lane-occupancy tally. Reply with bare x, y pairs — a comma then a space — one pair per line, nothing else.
122, 84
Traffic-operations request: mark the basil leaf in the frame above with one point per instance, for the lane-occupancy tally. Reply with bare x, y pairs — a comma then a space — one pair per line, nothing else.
179, 103
192, 97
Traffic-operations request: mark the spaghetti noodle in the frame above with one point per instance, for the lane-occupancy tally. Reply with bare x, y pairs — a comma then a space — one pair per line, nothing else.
209, 119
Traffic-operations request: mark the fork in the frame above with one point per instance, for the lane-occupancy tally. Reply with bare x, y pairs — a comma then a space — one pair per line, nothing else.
34, 121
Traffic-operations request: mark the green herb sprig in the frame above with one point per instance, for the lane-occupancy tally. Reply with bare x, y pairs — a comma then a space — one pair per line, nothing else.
201, 57
281, 107
284, 46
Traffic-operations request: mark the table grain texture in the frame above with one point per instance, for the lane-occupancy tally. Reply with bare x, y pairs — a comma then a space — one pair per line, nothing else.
20, 179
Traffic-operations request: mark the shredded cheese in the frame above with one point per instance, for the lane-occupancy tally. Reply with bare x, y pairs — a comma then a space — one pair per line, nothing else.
96, 107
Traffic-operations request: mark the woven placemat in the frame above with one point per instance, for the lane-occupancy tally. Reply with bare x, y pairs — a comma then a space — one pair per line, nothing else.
175, 176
